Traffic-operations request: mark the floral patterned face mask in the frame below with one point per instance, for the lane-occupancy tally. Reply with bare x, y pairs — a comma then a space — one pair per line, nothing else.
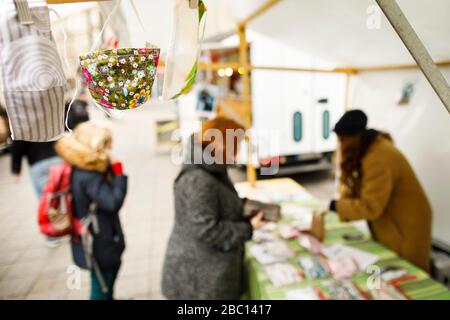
120, 79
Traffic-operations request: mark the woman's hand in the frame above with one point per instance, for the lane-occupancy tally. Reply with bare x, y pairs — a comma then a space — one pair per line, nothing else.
318, 226
257, 221
323, 207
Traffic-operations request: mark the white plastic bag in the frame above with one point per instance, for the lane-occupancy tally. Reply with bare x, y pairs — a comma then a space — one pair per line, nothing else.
182, 56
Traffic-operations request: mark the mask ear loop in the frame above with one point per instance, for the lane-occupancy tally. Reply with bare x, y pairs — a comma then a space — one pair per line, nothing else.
110, 15
141, 23
66, 60
110, 113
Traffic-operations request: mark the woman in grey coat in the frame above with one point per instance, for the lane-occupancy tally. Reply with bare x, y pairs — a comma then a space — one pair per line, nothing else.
205, 253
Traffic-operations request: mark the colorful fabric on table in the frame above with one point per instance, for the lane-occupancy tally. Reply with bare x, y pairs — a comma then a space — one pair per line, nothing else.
120, 78
32, 75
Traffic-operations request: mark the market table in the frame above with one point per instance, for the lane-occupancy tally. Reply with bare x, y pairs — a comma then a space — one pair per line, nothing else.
288, 193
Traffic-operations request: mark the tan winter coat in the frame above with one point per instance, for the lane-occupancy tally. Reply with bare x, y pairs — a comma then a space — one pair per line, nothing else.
393, 202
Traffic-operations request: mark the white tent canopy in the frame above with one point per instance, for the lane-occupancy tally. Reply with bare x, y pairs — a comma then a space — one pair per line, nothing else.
337, 31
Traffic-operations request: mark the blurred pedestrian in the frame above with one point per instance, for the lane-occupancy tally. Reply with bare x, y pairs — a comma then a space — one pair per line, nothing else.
78, 112
205, 253
4, 128
99, 188
40, 156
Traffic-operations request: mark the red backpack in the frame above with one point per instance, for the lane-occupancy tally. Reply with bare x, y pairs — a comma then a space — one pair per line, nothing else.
55, 208
56, 219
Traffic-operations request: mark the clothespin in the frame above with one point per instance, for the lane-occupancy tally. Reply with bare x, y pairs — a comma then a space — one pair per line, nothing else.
23, 11
193, 4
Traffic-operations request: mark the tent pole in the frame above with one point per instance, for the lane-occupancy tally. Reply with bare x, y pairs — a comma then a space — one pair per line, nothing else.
217, 66
246, 97
348, 77
298, 69
265, 7
443, 63
236, 66
245, 65
416, 48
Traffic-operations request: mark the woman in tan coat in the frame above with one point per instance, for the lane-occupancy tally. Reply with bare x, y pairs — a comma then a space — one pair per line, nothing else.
379, 185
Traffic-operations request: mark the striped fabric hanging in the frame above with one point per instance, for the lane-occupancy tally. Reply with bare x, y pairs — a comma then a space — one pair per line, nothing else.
33, 79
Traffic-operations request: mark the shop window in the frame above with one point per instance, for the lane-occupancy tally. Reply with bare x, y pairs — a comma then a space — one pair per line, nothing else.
298, 126
326, 124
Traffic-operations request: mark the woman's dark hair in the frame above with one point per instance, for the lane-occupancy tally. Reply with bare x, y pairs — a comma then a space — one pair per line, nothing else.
351, 162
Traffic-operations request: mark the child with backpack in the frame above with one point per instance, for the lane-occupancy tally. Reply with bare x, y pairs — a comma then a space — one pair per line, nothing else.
97, 188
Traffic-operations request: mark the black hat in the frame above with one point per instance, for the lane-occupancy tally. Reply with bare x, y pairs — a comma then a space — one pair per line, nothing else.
352, 123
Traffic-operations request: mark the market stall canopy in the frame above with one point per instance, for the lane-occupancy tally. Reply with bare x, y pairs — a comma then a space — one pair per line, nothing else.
338, 31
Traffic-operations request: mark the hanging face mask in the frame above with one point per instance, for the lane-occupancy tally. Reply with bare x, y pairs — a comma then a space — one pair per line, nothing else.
182, 58
32, 76
120, 79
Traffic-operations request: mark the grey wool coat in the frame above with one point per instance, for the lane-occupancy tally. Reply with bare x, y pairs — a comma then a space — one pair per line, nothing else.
205, 253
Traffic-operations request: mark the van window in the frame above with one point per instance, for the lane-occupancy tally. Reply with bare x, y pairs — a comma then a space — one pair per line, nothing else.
298, 126
326, 124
